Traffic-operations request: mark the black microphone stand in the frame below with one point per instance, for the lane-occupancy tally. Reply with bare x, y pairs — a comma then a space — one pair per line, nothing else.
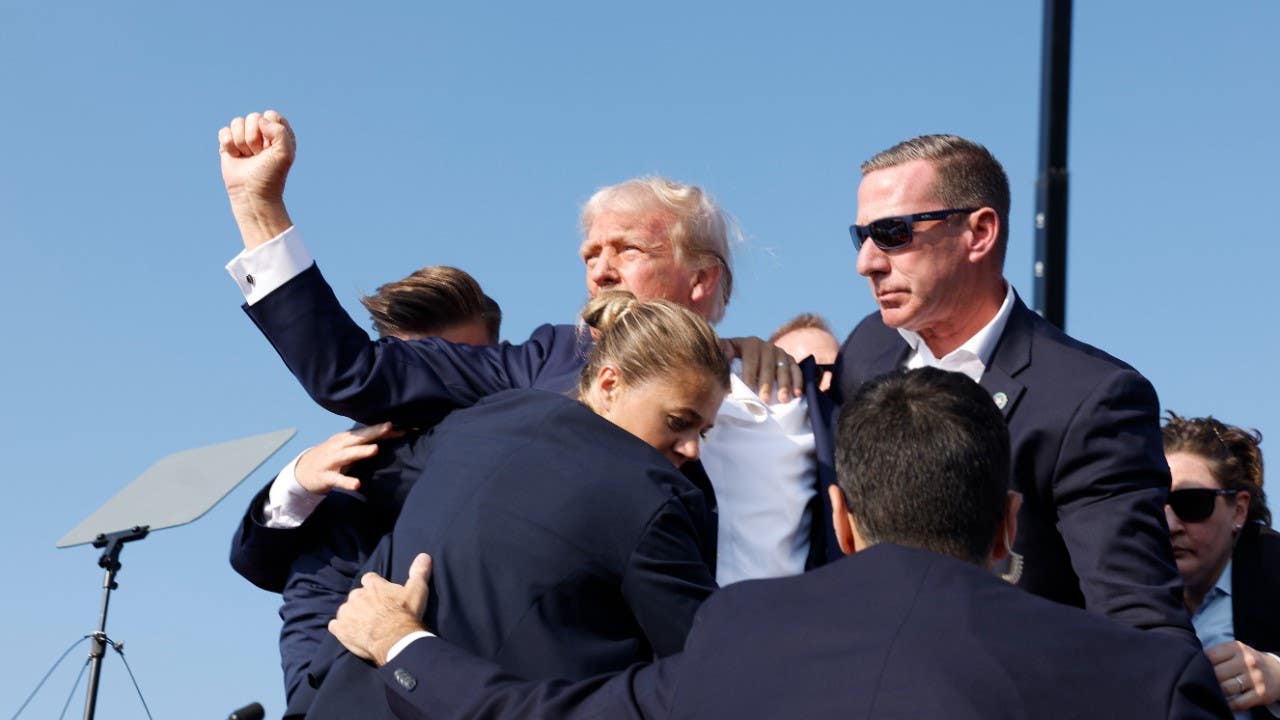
110, 560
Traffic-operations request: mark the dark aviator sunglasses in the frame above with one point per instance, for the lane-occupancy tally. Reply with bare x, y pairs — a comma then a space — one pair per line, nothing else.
1195, 504
895, 232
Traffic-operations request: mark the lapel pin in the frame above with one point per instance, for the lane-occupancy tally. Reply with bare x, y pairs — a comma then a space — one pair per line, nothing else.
1001, 400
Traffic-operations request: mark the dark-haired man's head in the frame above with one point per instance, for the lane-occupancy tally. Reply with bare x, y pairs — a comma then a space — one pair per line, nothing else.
923, 460
436, 301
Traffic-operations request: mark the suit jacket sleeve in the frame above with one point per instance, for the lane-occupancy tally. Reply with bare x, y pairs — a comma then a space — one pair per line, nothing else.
263, 555
409, 382
1110, 489
667, 578
433, 679
1197, 693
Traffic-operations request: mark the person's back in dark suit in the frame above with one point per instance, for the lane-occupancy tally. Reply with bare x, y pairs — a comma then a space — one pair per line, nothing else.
890, 632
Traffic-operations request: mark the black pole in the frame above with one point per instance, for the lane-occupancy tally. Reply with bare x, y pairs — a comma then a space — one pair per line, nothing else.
1051, 184
110, 560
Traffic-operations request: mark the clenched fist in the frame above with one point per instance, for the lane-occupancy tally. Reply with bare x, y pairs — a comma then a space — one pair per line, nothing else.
257, 151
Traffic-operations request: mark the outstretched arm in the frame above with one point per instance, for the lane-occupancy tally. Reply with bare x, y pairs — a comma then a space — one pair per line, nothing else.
428, 678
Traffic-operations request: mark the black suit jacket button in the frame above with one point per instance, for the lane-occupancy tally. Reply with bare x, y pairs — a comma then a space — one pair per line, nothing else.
406, 680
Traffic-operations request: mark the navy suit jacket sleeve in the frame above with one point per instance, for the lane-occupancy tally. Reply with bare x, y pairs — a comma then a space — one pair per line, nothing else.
447, 682
1110, 506
263, 555
1196, 694
667, 579
408, 382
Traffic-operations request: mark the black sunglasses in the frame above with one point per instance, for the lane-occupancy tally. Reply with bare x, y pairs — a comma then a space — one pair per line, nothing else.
894, 232
1195, 504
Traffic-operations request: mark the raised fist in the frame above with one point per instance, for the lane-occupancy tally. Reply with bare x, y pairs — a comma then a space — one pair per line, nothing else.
257, 151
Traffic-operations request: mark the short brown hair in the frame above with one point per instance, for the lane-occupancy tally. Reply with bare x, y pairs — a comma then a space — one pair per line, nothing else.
803, 321
968, 175
429, 301
647, 339
1233, 455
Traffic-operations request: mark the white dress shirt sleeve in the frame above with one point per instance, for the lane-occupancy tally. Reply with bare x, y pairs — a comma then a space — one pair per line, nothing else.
289, 504
405, 642
265, 268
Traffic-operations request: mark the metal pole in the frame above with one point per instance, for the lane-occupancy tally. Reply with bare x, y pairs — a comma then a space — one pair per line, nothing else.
1051, 184
112, 543
99, 649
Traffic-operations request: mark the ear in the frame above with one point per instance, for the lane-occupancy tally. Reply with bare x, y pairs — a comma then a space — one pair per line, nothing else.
1008, 528
1240, 513
841, 522
984, 229
608, 386
706, 283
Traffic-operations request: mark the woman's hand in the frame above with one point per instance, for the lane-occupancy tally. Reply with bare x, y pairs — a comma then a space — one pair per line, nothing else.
1248, 678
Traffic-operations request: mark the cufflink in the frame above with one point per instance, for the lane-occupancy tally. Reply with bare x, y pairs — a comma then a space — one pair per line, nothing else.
406, 680
249, 279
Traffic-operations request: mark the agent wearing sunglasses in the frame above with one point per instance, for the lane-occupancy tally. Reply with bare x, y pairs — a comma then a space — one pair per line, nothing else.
1228, 555
931, 231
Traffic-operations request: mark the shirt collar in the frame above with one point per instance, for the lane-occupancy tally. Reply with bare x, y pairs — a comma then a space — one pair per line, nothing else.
983, 343
1224, 581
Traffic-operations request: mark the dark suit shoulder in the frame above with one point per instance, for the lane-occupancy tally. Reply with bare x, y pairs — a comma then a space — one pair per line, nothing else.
1255, 581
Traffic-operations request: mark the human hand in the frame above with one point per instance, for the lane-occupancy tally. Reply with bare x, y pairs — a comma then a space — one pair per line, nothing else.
766, 367
1248, 678
323, 467
379, 613
257, 151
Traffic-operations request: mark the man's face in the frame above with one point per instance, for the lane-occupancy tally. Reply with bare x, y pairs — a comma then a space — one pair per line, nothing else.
926, 283
632, 252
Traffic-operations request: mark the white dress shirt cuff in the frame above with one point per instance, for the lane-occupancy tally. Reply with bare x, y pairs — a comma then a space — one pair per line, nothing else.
288, 503
406, 641
265, 268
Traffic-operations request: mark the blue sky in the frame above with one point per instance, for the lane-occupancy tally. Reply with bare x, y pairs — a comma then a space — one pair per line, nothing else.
469, 134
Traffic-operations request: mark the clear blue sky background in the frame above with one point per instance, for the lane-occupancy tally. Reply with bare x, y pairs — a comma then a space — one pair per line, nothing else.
469, 134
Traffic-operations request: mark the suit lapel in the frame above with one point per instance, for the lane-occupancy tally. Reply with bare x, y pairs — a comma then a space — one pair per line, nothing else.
1011, 356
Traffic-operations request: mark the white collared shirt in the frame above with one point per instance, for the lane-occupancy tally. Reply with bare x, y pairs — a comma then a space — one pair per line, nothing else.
972, 357
761, 462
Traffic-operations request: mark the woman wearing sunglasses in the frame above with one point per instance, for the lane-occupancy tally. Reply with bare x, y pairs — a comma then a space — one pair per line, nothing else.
1228, 555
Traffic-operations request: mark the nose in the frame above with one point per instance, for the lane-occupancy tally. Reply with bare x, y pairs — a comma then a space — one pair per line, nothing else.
602, 272
687, 449
871, 259
1170, 517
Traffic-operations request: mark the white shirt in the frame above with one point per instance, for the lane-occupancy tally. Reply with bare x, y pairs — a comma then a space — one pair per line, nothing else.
972, 357
760, 457
761, 462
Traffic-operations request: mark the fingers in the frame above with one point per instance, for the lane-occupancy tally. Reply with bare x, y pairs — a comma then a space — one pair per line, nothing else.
788, 377
250, 135
237, 136
415, 587
253, 133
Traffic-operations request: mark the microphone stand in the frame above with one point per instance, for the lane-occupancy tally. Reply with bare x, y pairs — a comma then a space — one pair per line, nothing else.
110, 561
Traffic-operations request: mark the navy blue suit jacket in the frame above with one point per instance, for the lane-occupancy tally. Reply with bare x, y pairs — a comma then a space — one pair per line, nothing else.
314, 565
1087, 457
889, 632
1255, 592
565, 546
